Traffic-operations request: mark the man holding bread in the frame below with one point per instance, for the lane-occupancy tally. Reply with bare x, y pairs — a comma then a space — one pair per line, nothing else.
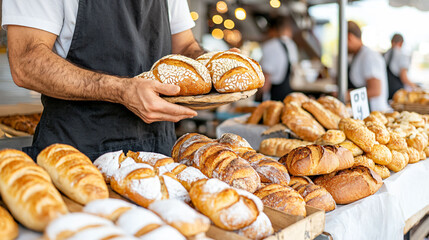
82, 56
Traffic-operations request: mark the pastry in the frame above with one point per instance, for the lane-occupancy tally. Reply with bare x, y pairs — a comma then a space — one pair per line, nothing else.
325, 117
278, 147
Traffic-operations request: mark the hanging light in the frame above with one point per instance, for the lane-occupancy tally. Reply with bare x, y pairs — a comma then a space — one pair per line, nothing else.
217, 19
217, 33
194, 16
240, 13
275, 3
229, 24
221, 7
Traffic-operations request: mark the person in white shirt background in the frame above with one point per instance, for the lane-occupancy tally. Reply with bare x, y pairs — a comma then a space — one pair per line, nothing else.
279, 54
397, 63
367, 69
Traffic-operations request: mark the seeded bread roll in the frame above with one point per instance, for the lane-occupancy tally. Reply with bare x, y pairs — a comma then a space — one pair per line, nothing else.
325, 117
397, 142
399, 161
382, 135
380, 154
331, 137
358, 133
234, 72
191, 76
334, 105
376, 116
417, 140
356, 151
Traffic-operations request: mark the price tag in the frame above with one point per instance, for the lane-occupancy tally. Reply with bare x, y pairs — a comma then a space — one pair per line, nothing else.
359, 101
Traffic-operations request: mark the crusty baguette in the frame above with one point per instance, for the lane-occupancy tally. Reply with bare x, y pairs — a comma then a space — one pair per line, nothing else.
315, 196
349, 185
282, 198
228, 208
325, 117
27, 190
8, 227
278, 147
334, 105
73, 173
272, 114
310, 160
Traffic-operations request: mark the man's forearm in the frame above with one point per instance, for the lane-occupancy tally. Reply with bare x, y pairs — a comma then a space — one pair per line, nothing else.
194, 50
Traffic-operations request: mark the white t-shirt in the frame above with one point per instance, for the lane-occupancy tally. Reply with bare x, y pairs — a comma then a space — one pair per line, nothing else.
399, 60
274, 61
59, 17
370, 64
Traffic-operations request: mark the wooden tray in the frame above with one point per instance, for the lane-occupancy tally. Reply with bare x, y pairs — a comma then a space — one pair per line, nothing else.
411, 107
211, 100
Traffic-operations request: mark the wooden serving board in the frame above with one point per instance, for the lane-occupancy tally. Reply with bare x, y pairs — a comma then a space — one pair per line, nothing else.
211, 100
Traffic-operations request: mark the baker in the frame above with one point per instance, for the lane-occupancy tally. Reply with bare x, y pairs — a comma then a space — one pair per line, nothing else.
82, 56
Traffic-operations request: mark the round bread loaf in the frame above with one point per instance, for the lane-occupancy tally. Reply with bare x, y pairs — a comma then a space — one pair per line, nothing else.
234, 72
191, 76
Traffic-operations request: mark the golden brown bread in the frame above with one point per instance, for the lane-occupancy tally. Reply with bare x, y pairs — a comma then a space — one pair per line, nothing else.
345, 157
376, 116
187, 176
73, 173
380, 154
364, 161
301, 122
238, 144
310, 160
382, 135
397, 142
151, 158
315, 196
234, 72
332, 137
217, 160
228, 208
297, 97
356, 151
400, 96
381, 170
325, 117
349, 185
299, 179
27, 190
334, 105
185, 147
269, 170
358, 133
259, 229
191, 76
282, 198
413, 155
399, 161
257, 114
417, 140
426, 150
272, 114
278, 147
8, 227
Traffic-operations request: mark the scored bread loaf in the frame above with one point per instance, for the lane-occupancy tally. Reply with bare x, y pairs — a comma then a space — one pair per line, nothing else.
358, 133
331, 137
310, 160
297, 97
259, 229
301, 122
191, 76
185, 147
315, 196
380, 154
334, 105
218, 161
399, 161
73, 173
227, 207
272, 114
236, 143
151, 158
27, 190
205, 58
345, 157
8, 227
234, 72
278, 147
269, 170
180, 216
349, 185
299, 179
184, 174
282, 198
325, 117
356, 151
109, 208
109, 163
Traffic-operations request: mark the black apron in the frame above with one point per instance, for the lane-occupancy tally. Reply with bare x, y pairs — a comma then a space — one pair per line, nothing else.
279, 91
394, 81
122, 38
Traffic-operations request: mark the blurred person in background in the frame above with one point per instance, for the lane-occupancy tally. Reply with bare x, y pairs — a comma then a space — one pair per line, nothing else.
278, 56
367, 69
397, 66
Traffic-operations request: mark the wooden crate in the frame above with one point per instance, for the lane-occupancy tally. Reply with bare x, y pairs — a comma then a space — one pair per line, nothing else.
411, 107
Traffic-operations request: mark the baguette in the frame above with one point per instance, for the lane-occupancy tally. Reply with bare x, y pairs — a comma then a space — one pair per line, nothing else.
27, 190
325, 117
73, 173
8, 227
347, 186
334, 105
278, 147
315, 196
272, 114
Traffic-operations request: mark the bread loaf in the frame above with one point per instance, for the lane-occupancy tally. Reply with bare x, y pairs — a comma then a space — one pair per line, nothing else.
310, 160
349, 185
218, 161
234, 72
27, 190
382, 135
345, 157
356, 151
376, 116
8, 227
299, 179
269, 170
109, 163
180, 216
191, 76
296, 97
109, 208
259, 229
185, 175
359, 134
397, 142
364, 161
334, 105
151, 158
380, 154
205, 58
228, 208
325, 117
272, 114
331, 137
381, 170
73, 173
417, 140
258, 113
100, 232
238, 144
315, 196
185, 147
399, 161
413, 155
282, 198
301, 122
278, 147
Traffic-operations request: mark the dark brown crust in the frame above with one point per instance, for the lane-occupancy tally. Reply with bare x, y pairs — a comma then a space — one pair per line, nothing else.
315, 196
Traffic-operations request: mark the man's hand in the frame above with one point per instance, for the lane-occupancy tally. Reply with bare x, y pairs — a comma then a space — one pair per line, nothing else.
144, 101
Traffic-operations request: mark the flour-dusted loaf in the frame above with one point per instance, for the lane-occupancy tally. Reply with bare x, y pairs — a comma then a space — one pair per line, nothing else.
315, 196
73, 173
8, 227
325, 117
259, 229
227, 207
180, 216
282, 198
27, 190
109, 208
349, 185
187, 176
278, 147
234, 72
205, 58
151, 158
191, 76
109, 163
